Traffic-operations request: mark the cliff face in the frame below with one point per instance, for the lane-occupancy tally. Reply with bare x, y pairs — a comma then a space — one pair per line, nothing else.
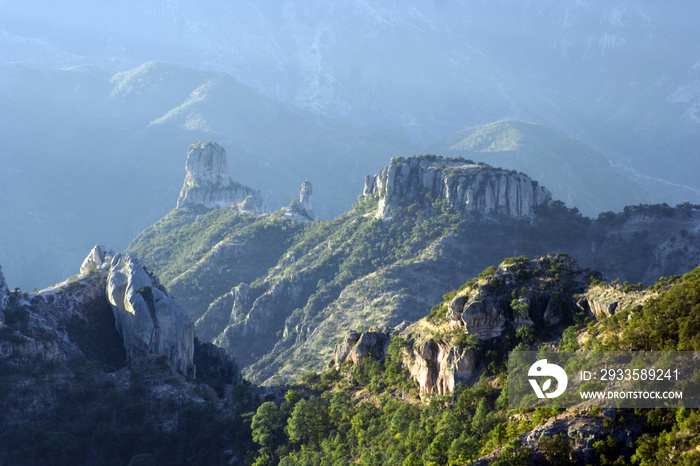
148, 319
466, 187
207, 181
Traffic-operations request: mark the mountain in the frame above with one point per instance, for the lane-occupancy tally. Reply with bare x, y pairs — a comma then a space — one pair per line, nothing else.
73, 136
574, 172
439, 391
620, 77
104, 368
277, 292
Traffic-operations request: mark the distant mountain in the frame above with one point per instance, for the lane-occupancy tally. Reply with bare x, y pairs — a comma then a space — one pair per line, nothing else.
89, 156
620, 76
572, 170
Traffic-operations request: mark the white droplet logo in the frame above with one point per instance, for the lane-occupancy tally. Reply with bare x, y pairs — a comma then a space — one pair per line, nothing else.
543, 369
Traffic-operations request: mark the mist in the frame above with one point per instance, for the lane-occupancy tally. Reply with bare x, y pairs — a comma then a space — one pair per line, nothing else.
100, 102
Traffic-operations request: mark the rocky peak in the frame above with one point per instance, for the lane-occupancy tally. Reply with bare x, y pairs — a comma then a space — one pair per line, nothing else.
301, 210
148, 319
305, 196
99, 258
207, 181
466, 186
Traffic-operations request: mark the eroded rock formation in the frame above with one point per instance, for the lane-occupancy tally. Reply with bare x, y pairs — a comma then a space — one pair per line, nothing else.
207, 181
303, 209
98, 258
466, 187
437, 367
148, 319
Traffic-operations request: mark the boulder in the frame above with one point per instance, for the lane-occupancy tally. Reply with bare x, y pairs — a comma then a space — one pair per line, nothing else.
148, 319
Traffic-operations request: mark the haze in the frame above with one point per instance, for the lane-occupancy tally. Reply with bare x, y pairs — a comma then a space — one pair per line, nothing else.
101, 100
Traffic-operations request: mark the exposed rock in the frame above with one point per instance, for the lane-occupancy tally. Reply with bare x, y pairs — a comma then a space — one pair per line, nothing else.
581, 431
207, 181
301, 210
305, 196
538, 292
605, 300
467, 187
438, 367
356, 346
99, 257
149, 321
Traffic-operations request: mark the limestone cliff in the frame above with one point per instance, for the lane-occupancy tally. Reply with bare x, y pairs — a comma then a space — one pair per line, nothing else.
147, 318
207, 181
466, 186
438, 366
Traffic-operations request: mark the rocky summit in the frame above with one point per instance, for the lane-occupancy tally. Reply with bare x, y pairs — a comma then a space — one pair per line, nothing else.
207, 182
466, 186
148, 319
301, 210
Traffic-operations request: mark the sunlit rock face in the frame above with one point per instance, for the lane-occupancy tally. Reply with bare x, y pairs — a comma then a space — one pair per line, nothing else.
148, 319
98, 258
466, 186
302, 210
437, 366
207, 181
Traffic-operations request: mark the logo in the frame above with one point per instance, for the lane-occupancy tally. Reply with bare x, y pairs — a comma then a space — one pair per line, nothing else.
542, 369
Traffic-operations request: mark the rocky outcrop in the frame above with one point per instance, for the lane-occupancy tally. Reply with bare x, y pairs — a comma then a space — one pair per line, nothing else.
207, 182
467, 187
356, 346
99, 258
520, 292
437, 367
147, 318
301, 210
606, 300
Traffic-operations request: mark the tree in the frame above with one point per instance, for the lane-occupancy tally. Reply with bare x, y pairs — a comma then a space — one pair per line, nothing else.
308, 422
267, 425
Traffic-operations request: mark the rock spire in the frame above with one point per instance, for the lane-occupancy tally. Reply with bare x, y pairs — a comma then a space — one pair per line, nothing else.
207, 181
303, 209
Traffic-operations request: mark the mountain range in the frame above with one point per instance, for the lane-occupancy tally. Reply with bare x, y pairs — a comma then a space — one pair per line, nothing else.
277, 292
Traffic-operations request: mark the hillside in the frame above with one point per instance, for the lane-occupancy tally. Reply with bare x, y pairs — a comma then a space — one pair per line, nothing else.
436, 394
278, 293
